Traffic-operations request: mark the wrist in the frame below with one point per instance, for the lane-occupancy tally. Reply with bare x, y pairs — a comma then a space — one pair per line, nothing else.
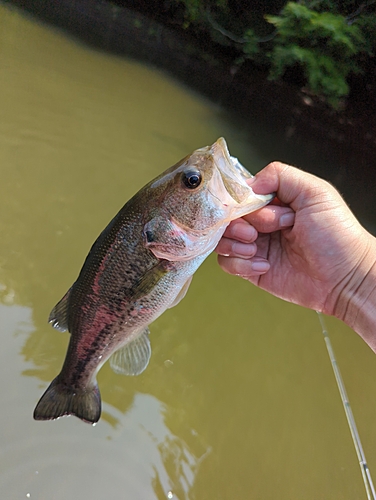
357, 304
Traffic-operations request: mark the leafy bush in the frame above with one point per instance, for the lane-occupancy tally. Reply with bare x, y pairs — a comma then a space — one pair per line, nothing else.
328, 40
322, 43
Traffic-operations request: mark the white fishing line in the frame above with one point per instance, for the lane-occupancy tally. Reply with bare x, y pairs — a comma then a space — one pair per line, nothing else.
366, 474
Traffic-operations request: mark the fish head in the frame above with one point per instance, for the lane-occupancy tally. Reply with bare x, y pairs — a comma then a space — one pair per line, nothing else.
198, 197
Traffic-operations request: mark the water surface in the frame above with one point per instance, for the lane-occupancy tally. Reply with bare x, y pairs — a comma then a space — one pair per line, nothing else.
239, 400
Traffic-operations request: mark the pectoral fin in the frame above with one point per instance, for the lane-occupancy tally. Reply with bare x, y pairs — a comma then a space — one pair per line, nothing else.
133, 358
180, 296
149, 280
59, 314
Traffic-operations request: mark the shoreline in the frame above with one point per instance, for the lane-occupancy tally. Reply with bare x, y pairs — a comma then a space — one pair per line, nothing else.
296, 124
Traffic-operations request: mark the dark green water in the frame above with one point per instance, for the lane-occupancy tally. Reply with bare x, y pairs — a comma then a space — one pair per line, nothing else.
239, 400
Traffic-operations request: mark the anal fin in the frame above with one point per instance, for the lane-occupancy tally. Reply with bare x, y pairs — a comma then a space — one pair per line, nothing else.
133, 358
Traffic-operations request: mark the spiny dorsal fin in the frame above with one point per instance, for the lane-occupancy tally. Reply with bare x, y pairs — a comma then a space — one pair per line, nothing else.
133, 358
59, 314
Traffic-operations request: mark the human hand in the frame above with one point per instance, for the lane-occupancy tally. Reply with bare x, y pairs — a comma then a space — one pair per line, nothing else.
308, 249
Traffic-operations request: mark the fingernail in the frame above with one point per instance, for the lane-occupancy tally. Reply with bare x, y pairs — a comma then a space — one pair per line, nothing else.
287, 220
260, 266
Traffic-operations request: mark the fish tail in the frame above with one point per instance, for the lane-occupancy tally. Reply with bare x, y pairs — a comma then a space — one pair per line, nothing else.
59, 400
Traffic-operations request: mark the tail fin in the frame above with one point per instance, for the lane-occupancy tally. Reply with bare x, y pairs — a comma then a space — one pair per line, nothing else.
60, 400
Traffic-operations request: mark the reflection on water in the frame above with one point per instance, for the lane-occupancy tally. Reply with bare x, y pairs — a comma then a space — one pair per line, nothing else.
177, 464
140, 455
239, 400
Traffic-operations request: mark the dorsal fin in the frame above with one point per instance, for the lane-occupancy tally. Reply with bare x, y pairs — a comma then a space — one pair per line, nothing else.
133, 358
59, 314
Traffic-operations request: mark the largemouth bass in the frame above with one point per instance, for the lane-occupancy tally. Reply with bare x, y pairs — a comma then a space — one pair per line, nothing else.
141, 265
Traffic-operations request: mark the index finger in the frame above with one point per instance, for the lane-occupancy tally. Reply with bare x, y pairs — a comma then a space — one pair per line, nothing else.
293, 186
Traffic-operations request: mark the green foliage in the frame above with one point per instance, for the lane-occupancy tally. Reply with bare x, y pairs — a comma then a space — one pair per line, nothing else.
194, 12
251, 45
322, 43
327, 39
325, 76
367, 24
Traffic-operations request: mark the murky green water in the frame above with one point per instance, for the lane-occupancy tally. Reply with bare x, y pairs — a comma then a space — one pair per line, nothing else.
239, 401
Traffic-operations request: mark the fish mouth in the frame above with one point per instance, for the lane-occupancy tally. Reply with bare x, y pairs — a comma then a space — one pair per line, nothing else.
233, 177
229, 184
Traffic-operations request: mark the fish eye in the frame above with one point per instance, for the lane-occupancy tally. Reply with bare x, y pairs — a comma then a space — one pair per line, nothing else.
191, 179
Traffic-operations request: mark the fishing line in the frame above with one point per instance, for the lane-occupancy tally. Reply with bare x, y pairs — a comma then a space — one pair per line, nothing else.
371, 494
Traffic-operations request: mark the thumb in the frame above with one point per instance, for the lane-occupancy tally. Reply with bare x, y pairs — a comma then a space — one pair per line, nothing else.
291, 184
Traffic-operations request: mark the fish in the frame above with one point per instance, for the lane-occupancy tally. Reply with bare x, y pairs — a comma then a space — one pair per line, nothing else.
140, 265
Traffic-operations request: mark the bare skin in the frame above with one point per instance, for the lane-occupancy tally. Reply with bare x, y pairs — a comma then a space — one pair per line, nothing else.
307, 248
